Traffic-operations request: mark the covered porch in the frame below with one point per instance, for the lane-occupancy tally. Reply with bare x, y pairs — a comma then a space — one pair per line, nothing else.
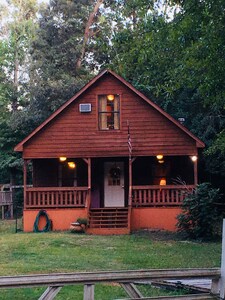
118, 188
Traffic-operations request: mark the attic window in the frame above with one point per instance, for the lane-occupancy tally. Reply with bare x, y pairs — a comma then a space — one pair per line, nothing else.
109, 112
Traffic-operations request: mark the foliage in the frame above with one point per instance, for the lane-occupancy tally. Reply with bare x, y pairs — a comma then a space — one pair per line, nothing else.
177, 63
216, 154
17, 31
200, 217
83, 221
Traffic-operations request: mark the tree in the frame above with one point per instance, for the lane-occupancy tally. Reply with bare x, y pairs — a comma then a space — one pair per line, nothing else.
62, 53
17, 28
17, 33
88, 32
178, 63
200, 26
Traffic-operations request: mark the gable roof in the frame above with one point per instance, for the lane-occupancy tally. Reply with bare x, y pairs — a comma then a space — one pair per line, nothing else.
19, 147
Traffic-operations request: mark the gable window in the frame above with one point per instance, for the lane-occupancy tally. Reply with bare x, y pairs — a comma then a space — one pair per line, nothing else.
109, 112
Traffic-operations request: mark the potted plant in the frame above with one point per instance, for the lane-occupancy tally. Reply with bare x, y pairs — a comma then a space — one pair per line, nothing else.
79, 225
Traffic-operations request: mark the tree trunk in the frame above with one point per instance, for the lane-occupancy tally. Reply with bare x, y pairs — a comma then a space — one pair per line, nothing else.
15, 82
87, 32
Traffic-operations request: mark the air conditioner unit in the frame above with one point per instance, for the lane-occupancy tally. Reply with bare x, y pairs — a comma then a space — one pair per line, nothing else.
85, 107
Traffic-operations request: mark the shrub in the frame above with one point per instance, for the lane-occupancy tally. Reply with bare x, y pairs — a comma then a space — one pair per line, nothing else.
200, 217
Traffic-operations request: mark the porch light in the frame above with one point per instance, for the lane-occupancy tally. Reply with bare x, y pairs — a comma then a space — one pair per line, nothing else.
110, 97
162, 181
71, 164
62, 158
159, 156
194, 158
161, 161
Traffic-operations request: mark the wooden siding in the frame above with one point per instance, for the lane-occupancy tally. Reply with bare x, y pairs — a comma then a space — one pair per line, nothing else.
76, 134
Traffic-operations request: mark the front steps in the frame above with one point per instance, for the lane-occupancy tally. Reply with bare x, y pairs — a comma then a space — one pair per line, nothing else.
108, 221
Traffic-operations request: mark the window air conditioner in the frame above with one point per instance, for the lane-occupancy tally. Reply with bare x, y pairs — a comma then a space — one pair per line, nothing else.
85, 107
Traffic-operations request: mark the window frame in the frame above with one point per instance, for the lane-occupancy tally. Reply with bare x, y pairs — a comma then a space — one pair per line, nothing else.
113, 112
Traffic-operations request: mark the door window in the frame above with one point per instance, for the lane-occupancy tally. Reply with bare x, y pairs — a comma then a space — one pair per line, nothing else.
114, 176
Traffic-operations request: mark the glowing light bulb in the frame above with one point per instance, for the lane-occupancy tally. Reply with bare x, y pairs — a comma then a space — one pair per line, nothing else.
159, 156
62, 158
194, 158
71, 164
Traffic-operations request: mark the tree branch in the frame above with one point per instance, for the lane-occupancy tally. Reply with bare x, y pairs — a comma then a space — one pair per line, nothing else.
87, 32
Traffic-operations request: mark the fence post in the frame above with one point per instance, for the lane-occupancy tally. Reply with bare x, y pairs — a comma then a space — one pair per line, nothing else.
50, 293
222, 278
89, 292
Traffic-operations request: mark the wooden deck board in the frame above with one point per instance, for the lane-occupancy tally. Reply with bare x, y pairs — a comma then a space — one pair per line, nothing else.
198, 285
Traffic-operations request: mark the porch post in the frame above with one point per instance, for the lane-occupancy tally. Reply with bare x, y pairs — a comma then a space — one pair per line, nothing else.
131, 160
88, 162
130, 193
130, 183
195, 172
25, 182
89, 173
89, 185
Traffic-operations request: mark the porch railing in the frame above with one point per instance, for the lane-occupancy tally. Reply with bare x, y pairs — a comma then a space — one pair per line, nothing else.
156, 195
54, 197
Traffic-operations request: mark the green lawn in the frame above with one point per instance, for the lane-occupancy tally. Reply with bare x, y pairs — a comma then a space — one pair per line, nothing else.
27, 253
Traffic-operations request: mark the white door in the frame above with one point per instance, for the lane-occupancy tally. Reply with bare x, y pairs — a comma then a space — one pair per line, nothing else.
114, 184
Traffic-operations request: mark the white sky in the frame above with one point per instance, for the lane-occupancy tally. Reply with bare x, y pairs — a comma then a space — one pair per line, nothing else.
39, 1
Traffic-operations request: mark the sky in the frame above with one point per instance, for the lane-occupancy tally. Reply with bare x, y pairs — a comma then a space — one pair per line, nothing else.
39, 1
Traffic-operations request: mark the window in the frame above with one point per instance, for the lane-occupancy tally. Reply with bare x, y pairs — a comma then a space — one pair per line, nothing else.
114, 176
109, 112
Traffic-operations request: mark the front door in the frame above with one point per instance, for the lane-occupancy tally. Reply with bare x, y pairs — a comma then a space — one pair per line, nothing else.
114, 184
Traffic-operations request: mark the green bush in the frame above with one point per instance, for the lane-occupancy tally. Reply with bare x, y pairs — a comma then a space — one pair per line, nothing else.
200, 217
83, 221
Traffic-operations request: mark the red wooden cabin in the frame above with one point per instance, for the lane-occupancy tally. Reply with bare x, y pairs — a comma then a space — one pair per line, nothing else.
83, 165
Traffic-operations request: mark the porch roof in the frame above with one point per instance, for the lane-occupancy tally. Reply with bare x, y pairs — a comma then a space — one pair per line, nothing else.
19, 147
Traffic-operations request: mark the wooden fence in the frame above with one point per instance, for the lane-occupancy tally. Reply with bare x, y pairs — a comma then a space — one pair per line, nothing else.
126, 279
6, 201
5, 198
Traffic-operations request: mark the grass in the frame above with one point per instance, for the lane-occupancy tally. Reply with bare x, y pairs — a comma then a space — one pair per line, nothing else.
29, 253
